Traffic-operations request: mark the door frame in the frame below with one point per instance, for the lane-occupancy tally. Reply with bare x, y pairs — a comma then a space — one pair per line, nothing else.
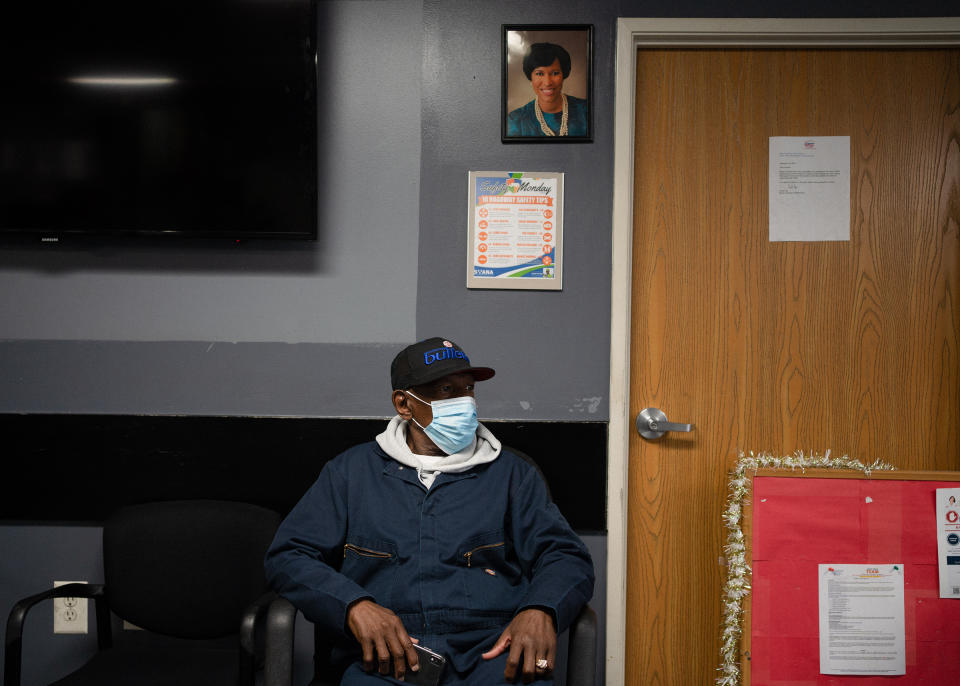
634, 33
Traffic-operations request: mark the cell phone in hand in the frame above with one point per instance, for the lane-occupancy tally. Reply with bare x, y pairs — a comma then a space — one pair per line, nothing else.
431, 667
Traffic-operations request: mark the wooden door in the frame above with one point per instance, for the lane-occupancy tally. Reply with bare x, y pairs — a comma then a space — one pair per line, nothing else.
778, 347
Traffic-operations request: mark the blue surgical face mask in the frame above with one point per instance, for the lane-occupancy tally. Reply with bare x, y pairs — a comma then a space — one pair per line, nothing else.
454, 422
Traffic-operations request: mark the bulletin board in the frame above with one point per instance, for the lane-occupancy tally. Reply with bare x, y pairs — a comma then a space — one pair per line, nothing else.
796, 520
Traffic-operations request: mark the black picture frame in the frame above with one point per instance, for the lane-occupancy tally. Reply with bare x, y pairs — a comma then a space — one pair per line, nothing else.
519, 119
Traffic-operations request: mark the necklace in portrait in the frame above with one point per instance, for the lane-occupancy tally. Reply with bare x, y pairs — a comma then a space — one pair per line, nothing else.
547, 131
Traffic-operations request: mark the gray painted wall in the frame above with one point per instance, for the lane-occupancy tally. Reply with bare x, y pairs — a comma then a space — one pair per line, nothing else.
258, 329
550, 349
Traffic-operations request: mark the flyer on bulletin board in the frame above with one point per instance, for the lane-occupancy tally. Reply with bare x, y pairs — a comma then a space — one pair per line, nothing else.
948, 541
862, 619
515, 230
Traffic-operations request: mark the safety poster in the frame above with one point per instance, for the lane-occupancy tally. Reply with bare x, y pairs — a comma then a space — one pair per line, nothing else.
515, 230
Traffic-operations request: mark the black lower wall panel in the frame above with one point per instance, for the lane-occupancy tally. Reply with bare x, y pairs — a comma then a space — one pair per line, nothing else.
79, 468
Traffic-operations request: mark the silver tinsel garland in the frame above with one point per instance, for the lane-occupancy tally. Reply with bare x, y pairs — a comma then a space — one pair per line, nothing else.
737, 586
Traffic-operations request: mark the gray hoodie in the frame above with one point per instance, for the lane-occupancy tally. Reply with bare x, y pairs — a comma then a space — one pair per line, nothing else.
482, 449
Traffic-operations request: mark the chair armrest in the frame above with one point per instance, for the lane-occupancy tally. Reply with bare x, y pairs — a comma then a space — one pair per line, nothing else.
278, 664
252, 617
582, 652
251, 637
13, 640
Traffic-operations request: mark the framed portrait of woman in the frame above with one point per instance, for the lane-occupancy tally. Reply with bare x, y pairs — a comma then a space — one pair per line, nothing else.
547, 83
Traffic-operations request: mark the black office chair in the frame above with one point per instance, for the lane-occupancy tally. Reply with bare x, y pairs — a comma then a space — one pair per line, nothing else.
580, 668
190, 575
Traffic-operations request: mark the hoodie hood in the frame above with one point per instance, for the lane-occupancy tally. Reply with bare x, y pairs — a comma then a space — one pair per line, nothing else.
482, 449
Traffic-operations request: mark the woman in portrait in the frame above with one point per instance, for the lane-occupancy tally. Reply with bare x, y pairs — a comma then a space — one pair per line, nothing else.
551, 112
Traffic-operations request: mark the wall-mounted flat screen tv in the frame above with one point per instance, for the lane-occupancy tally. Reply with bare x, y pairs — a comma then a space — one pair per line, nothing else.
177, 118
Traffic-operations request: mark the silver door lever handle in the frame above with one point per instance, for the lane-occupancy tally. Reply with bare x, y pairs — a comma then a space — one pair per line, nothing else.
652, 424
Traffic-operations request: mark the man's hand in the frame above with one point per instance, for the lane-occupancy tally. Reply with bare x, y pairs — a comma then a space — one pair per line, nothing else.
532, 638
381, 636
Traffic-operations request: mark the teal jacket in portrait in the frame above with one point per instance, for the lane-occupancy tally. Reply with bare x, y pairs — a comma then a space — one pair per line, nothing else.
523, 120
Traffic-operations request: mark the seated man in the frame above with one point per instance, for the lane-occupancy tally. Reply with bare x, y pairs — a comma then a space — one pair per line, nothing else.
433, 534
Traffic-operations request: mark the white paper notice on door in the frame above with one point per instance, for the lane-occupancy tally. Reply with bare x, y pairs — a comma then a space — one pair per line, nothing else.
809, 188
862, 619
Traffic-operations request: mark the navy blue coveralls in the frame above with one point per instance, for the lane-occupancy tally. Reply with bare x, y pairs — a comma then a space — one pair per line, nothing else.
455, 562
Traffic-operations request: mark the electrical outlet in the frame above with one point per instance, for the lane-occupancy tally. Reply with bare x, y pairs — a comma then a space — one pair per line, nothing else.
69, 614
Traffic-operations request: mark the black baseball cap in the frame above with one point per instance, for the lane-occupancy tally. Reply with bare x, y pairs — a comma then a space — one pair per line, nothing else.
430, 360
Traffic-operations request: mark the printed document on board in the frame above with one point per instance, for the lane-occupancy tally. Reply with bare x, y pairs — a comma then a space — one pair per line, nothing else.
809, 188
862, 619
948, 541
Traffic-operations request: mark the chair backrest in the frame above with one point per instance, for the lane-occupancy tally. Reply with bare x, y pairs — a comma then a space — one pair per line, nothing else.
533, 463
186, 568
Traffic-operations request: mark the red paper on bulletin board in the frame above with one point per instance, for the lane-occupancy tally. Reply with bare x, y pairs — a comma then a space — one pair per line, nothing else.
798, 521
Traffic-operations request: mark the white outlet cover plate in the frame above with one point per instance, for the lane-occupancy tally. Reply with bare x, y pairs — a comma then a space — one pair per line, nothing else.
69, 614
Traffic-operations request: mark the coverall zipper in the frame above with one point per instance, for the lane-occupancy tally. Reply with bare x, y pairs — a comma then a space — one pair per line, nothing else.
482, 547
366, 552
